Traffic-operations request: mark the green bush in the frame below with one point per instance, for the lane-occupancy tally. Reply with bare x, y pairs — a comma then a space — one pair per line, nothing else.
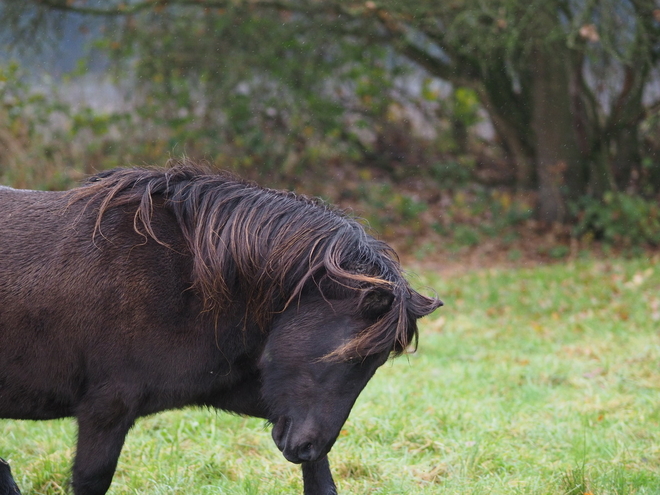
618, 219
452, 173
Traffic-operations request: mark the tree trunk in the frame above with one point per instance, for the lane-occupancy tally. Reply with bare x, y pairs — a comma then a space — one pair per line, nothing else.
624, 123
557, 154
508, 108
627, 155
523, 161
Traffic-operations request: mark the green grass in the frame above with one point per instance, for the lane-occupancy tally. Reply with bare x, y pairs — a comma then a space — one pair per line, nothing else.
535, 381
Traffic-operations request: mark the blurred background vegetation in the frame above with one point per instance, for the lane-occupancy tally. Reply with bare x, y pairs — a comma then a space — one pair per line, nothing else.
502, 130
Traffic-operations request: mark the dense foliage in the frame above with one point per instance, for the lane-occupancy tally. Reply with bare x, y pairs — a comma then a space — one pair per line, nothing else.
299, 91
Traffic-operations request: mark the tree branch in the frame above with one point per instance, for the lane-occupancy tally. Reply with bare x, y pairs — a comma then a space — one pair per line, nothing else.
431, 64
122, 9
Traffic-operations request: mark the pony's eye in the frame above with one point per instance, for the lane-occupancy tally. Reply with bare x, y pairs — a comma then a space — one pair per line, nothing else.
354, 360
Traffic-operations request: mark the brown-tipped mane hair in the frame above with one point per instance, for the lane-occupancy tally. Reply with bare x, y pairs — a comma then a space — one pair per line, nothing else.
265, 246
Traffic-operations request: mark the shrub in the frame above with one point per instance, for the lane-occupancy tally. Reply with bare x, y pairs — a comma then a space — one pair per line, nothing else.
619, 218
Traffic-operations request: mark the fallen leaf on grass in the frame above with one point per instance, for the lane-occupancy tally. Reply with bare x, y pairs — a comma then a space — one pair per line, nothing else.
594, 373
430, 476
639, 278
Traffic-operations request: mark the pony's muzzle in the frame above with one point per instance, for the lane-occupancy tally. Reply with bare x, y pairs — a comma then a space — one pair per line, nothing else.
297, 445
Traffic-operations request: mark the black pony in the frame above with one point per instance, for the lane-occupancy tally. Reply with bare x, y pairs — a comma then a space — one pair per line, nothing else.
152, 289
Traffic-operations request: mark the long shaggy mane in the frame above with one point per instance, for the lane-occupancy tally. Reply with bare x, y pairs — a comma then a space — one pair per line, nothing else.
263, 246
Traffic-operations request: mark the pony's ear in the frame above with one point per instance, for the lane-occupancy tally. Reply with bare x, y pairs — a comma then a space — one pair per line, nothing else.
421, 305
376, 302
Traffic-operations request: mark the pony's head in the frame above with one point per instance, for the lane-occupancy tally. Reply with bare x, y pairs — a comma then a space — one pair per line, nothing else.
353, 311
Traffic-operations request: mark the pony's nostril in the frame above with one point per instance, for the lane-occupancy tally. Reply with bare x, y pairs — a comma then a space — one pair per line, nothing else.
306, 452
280, 431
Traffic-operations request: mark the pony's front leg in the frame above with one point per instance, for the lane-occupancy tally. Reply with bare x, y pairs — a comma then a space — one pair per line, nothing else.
97, 453
317, 478
7, 483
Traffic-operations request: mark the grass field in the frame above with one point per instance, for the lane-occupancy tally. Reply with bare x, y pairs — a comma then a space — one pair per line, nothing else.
530, 381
